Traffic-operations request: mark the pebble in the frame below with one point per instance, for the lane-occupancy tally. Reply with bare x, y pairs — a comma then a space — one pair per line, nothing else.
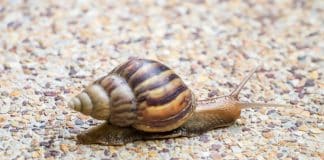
215, 147
212, 93
50, 93
165, 150
45, 144
236, 149
216, 156
54, 153
267, 134
314, 75
204, 138
15, 93
303, 128
64, 148
315, 130
244, 129
271, 111
309, 83
2, 119
78, 122
106, 152
279, 155
36, 154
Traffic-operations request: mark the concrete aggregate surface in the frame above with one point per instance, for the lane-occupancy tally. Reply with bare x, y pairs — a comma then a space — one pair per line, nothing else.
50, 50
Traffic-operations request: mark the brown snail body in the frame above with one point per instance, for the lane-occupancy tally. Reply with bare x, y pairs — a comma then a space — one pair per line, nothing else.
144, 99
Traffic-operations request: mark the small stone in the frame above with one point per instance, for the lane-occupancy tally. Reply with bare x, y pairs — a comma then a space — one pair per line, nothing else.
212, 93
271, 111
48, 85
294, 82
14, 25
215, 156
204, 138
15, 93
272, 154
4, 93
64, 148
72, 71
305, 114
2, 119
293, 102
279, 155
202, 79
45, 144
309, 83
24, 103
57, 98
106, 152
215, 147
321, 155
240, 121
270, 75
47, 154
236, 149
13, 130
50, 93
168, 141
78, 122
54, 153
244, 129
267, 134
114, 155
314, 75
165, 150
37, 92
27, 87
315, 130
271, 125
36, 154
152, 154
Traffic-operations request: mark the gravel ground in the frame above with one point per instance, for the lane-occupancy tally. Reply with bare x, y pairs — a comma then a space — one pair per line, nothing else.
49, 50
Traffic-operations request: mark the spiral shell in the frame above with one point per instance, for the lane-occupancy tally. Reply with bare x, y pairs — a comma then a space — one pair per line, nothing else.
141, 93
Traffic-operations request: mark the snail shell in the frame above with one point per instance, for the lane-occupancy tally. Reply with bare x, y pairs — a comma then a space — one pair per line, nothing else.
141, 93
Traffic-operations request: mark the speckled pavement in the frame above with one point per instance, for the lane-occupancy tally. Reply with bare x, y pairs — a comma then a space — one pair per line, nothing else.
49, 50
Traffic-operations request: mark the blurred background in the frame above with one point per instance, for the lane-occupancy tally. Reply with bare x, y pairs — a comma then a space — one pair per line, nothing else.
49, 50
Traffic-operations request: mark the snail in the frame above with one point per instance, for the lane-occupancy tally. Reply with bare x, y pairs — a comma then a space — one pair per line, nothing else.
143, 99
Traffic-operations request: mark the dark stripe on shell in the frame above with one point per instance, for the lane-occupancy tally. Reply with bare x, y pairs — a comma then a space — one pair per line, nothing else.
131, 69
168, 97
158, 84
111, 87
175, 118
110, 81
82, 104
154, 70
122, 108
123, 66
112, 84
98, 81
123, 119
124, 101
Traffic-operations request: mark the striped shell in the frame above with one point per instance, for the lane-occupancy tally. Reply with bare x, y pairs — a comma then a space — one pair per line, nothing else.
141, 93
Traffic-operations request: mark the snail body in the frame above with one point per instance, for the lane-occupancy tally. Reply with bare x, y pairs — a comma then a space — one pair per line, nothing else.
144, 99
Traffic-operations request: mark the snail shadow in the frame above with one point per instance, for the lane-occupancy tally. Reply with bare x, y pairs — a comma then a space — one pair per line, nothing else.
110, 135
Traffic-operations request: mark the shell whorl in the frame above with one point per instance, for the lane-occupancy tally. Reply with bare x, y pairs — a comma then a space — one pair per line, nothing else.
144, 94
93, 101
